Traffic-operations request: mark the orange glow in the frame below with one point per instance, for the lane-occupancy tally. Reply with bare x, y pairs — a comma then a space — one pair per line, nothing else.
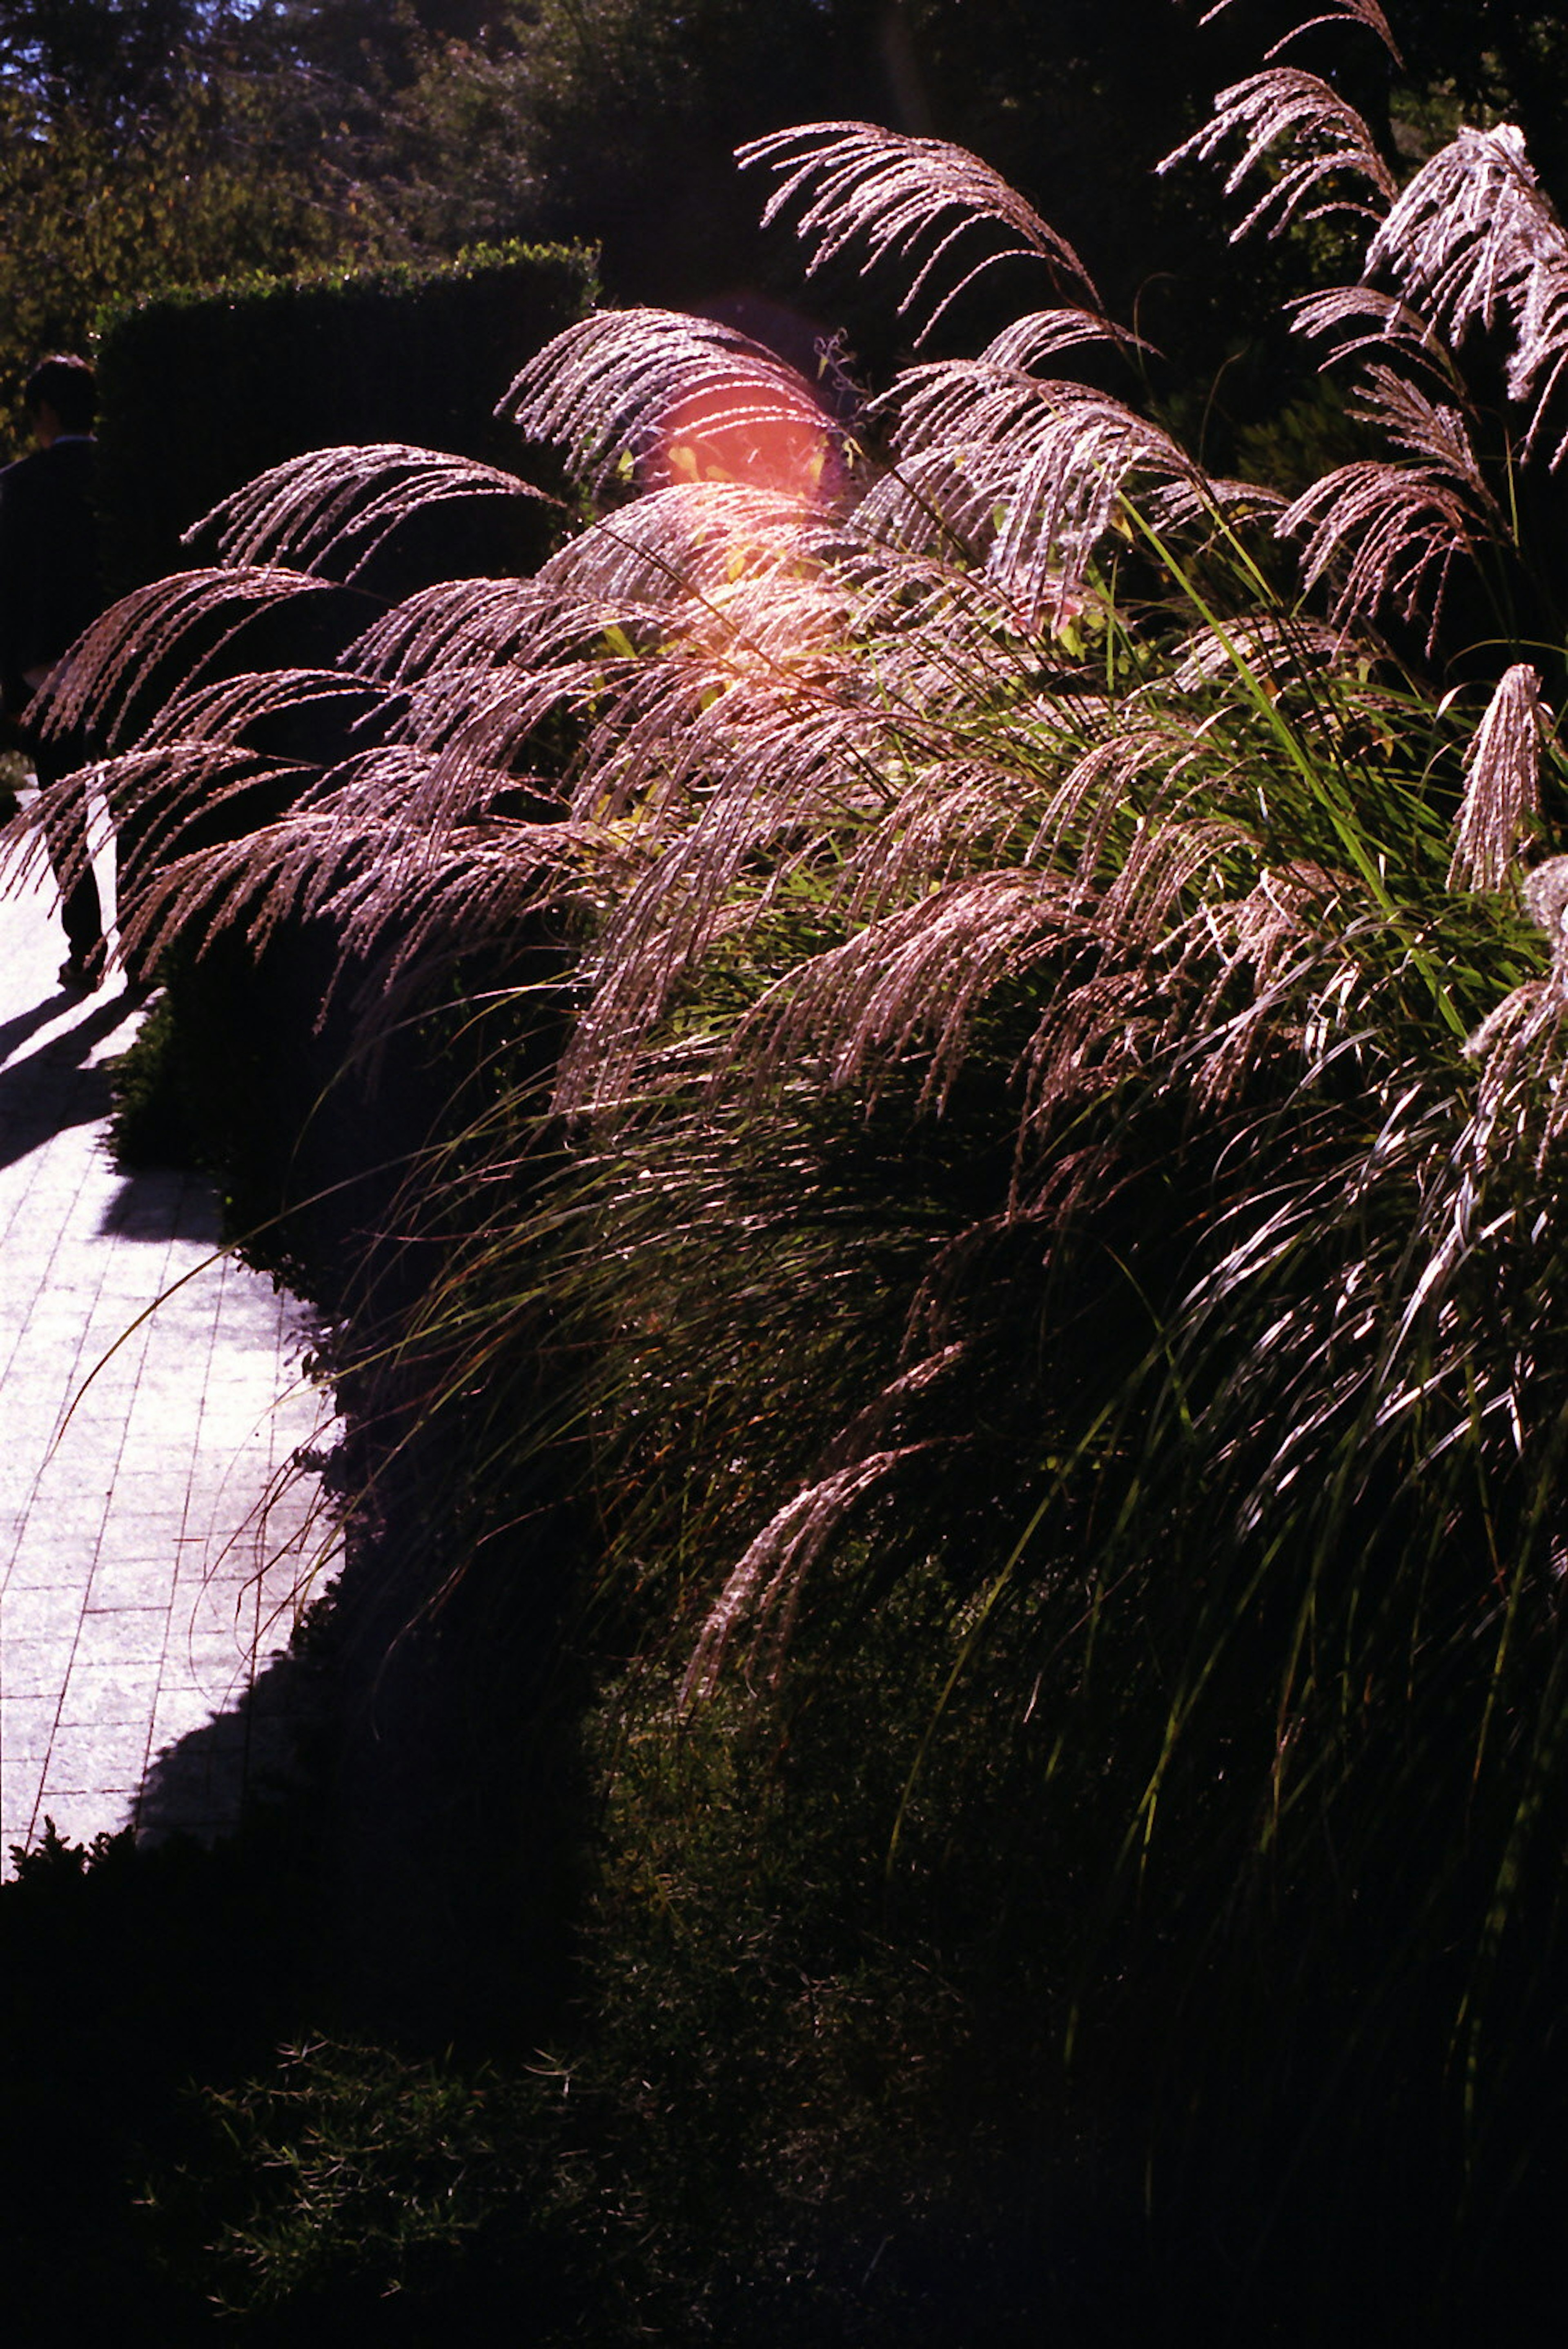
743, 427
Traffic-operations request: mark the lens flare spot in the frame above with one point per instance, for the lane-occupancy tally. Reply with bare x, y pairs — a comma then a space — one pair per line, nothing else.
745, 428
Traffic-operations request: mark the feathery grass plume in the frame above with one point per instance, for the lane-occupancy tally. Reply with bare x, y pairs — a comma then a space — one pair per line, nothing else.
1521, 1107
1358, 11
1388, 536
226, 709
358, 847
1155, 1102
1279, 647
679, 546
1522, 1101
1546, 903
494, 879
915, 975
1502, 776
251, 883
193, 618
677, 397
806, 714
346, 502
1041, 335
1258, 962
1382, 322
1285, 103
1030, 475
782, 1553
900, 196
1436, 434
1474, 238
1190, 1013
1099, 796
464, 624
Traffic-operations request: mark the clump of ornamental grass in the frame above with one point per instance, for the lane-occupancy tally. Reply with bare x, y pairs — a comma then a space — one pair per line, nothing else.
1065, 1097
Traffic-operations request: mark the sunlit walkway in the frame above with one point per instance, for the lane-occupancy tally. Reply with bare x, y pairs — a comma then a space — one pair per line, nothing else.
151, 1547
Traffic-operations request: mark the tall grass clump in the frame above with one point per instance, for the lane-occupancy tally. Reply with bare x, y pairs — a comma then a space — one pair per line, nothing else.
1037, 1268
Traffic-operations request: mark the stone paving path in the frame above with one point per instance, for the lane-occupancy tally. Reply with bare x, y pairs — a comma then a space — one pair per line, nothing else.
153, 1550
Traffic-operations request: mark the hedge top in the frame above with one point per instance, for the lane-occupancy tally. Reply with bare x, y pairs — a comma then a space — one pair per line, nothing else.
201, 390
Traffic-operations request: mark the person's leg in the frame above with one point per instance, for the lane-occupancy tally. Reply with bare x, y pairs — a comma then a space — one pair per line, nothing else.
81, 914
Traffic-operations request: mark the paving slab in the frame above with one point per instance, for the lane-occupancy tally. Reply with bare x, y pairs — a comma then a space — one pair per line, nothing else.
157, 1537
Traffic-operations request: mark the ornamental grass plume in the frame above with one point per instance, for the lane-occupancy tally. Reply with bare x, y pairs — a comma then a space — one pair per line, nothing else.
1474, 241
1503, 786
1361, 12
1283, 107
918, 199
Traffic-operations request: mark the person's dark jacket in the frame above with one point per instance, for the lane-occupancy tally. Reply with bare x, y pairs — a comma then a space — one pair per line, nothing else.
50, 584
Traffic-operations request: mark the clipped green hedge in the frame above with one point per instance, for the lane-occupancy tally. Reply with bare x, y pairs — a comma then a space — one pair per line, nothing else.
201, 390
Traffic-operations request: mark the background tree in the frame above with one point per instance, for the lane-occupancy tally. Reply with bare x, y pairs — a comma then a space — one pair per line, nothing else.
152, 144
149, 141
1498, 59
110, 60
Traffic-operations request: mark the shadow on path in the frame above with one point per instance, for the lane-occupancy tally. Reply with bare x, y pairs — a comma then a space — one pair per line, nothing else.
53, 1088
199, 1784
17, 1029
163, 1204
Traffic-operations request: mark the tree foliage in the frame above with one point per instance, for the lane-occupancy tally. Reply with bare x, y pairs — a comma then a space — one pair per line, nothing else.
156, 141
107, 61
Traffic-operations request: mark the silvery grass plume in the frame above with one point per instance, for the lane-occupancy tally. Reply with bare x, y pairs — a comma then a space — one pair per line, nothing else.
988, 462
780, 703
907, 986
1388, 535
1471, 243
186, 626
1358, 11
1028, 474
764, 1588
1502, 787
342, 504
756, 674
759, 676
1363, 317
899, 979
1521, 1105
152, 683
918, 199
1474, 241
761, 670
1546, 902
628, 388
1285, 104
448, 691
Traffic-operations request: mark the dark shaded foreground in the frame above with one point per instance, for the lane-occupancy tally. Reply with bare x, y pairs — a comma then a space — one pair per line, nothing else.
318, 2047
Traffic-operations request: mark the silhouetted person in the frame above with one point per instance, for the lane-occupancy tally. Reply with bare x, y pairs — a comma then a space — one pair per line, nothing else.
50, 590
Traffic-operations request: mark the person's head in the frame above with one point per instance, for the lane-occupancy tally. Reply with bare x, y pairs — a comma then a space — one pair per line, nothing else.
61, 396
